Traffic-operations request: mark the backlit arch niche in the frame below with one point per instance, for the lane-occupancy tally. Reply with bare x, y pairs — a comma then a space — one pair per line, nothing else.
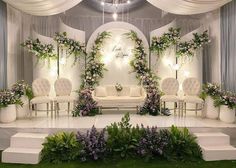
117, 61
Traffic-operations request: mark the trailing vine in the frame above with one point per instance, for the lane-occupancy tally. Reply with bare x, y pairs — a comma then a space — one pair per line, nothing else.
187, 49
160, 44
146, 77
93, 73
41, 51
73, 47
94, 67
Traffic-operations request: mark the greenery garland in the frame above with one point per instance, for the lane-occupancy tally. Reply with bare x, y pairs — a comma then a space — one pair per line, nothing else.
41, 51
93, 73
160, 44
146, 77
94, 67
186, 49
73, 47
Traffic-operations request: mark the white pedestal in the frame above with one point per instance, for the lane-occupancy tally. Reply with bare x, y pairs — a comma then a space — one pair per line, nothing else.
227, 114
8, 114
23, 111
211, 111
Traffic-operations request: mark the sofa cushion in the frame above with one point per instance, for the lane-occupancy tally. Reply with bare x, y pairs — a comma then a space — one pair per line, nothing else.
135, 91
111, 90
101, 92
114, 100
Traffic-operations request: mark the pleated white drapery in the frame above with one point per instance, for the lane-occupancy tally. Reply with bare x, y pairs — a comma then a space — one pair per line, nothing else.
43, 7
52, 7
188, 7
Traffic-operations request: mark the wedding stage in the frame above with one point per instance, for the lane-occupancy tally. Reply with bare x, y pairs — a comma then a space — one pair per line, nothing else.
43, 124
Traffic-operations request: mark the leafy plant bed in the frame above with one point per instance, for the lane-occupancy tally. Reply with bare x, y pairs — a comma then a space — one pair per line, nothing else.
120, 141
129, 163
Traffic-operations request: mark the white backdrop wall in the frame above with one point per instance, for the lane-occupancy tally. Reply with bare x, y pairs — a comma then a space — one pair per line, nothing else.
162, 64
67, 69
190, 67
82, 17
119, 69
44, 68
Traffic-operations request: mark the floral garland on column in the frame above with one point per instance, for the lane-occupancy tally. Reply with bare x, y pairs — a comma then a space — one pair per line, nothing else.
160, 44
73, 47
146, 77
93, 73
187, 49
41, 51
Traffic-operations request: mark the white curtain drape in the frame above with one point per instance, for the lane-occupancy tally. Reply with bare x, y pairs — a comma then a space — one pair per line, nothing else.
187, 7
52, 7
43, 7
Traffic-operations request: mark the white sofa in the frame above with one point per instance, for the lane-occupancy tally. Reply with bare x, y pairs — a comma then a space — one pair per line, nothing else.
131, 96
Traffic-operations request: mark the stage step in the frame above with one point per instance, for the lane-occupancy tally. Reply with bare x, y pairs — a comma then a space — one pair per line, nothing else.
24, 148
216, 146
212, 139
27, 140
21, 155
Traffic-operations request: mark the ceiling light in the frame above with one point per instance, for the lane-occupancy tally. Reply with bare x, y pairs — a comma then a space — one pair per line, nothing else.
128, 2
115, 16
102, 3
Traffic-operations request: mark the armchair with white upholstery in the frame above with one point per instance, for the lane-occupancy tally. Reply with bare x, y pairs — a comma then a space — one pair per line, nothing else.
170, 87
41, 88
191, 89
63, 88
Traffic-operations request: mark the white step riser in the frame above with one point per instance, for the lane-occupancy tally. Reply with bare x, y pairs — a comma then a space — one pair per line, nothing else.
23, 158
214, 141
219, 155
24, 142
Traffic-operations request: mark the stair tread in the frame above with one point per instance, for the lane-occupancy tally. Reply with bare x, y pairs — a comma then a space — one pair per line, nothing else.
210, 134
221, 147
29, 135
23, 150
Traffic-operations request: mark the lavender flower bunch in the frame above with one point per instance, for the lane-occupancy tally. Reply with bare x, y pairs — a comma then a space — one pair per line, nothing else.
151, 104
151, 144
86, 105
93, 143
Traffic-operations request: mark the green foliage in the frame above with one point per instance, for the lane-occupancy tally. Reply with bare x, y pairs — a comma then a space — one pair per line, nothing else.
61, 147
123, 138
187, 48
73, 47
147, 78
160, 44
94, 66
182, 145
41, 51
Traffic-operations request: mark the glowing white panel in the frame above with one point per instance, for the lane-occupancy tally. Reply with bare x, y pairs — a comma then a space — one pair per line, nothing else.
191, 67
117, 53
163, 65
67, 69
44, 68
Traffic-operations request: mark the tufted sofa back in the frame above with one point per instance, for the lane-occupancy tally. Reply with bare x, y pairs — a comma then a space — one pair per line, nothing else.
63, 87
191, 86
41, 87
170, 86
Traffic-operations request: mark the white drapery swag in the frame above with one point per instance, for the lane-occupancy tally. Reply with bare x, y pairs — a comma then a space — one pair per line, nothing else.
52, 7
188, 7
43, 7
